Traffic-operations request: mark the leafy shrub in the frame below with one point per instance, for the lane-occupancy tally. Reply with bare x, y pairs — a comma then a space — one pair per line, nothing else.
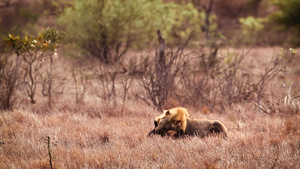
108, 28
251, 27
288, 16
34, 51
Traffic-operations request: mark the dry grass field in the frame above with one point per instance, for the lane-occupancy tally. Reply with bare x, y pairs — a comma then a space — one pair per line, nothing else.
95, 133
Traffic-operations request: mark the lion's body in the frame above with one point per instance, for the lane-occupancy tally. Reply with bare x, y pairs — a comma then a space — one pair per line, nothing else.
179, 122
204, 127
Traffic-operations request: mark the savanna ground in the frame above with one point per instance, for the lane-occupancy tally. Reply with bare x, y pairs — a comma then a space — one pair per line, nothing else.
95, 133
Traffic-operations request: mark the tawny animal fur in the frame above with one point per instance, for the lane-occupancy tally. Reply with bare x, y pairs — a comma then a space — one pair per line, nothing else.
169, 113
183, 125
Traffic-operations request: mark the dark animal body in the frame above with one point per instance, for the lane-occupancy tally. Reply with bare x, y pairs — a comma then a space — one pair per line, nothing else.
178, 124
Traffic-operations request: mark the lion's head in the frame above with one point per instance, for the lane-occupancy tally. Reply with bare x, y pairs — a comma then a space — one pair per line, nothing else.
165, 114
168, 113
173, 119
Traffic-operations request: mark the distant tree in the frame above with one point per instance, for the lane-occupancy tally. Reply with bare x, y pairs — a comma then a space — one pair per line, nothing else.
35, 51
288, 16
108, 28
251, 29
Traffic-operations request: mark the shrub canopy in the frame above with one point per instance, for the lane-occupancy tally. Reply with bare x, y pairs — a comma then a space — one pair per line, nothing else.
117, 24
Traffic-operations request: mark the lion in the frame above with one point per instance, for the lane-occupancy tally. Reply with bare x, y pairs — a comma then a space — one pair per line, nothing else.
168, 113
185, 126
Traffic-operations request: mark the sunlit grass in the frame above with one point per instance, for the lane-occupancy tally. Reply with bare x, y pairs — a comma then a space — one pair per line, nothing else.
79, 141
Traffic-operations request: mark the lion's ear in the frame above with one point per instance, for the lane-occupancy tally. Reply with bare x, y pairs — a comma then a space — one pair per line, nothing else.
167, 112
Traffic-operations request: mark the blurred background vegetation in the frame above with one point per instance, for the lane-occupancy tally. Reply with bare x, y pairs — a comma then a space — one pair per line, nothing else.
106, 29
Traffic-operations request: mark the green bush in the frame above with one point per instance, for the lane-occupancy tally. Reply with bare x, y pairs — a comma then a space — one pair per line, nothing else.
107, 28
288, 16
251, 28
29, 46
34, 52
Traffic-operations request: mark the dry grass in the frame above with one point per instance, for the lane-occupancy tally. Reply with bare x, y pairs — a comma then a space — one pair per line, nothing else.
97, 134
79, 141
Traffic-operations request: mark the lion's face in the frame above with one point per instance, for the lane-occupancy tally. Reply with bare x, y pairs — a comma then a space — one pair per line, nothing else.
167, 128
165, 125
158, 118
